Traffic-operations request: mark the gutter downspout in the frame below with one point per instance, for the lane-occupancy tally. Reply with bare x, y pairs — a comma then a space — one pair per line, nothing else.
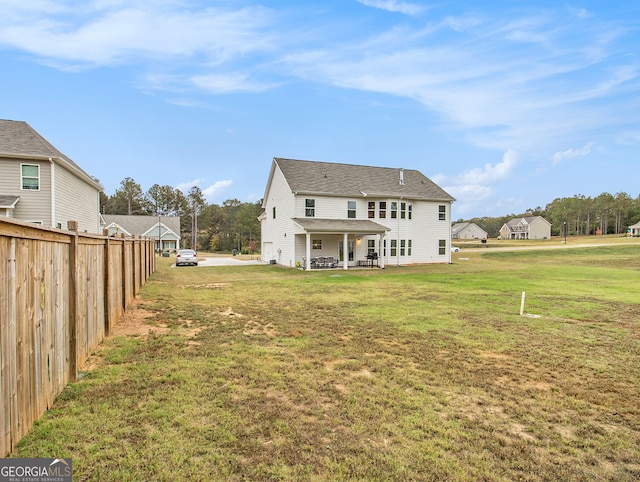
53, 193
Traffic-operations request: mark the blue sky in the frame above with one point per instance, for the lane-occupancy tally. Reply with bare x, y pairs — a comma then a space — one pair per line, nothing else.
505, 104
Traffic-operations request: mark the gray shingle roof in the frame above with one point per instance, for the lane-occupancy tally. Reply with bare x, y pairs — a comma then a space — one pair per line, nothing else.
8, 201
139, 225
17, 138
363, 226
350, 180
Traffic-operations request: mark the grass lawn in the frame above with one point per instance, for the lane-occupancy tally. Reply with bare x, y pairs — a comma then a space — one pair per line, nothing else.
407, 373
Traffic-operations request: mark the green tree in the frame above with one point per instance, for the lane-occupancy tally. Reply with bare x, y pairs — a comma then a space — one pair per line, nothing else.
195, 205
128, 199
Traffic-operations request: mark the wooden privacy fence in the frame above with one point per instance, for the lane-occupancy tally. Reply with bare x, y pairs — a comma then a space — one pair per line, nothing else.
60, 293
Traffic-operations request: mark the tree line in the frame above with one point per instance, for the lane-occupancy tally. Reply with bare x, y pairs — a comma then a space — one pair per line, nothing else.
583, 215
203, 226
235, 225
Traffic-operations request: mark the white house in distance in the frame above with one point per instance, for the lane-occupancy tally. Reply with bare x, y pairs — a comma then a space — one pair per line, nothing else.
39, 184
634, 230
467, 231
166, 229
350, 215
528, 227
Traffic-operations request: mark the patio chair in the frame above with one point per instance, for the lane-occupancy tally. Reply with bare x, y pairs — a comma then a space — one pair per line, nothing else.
320, 261
330, 262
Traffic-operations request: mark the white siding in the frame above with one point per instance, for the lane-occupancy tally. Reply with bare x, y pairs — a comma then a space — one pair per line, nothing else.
279, 232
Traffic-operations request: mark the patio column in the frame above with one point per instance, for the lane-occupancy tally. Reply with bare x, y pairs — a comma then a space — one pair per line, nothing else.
345, 250
379, 248
307, 260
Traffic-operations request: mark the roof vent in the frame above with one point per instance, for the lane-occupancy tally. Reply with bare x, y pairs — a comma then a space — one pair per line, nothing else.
401, 177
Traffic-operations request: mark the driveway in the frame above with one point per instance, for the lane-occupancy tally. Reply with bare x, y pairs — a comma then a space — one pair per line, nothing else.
228, 261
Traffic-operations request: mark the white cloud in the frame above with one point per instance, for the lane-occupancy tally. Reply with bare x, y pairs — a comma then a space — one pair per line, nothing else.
573, 153
215, 190
475, 185
489, 173
394, 6
185, 186
211, 193
109, 33
226, 83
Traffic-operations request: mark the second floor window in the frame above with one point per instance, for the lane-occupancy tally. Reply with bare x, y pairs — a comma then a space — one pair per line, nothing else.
382, 209
403, 210
371, 209
30, 177
394, 209
310, 208
351, 209
442, 212
274, 212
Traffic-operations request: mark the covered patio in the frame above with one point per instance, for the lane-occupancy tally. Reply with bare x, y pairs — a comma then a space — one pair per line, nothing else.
340, 240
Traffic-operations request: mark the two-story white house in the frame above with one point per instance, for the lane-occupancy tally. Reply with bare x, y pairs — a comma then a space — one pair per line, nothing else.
353, 214
39, 184
527, 227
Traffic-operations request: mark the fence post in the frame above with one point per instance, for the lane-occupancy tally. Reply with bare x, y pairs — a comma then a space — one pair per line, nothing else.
107, 290
73, 307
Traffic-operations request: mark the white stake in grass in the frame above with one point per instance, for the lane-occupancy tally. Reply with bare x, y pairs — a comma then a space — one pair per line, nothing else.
522, 308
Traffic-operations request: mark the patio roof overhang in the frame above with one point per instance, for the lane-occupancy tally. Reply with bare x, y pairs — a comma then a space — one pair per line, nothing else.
340, 226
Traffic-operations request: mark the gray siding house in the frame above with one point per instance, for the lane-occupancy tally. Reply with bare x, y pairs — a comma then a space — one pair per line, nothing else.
165, 229
39, 184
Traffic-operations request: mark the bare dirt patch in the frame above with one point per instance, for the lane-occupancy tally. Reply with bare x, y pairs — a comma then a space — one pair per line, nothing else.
134, 322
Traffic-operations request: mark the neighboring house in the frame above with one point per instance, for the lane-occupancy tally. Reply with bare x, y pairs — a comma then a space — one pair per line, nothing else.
633, 230
467, 231
165, 229
40, 184
348, 212
528, 227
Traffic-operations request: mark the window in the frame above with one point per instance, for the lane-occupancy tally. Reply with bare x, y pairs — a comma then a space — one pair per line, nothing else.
371, 209
30, 177
442, 247
274, 212
316, 244
442, 212
371, 246
310, 208
394, 247
409, 246
403, 210
351, 209
350, 247
384, 247
410, 211
403, 246
394, 209
382, 209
